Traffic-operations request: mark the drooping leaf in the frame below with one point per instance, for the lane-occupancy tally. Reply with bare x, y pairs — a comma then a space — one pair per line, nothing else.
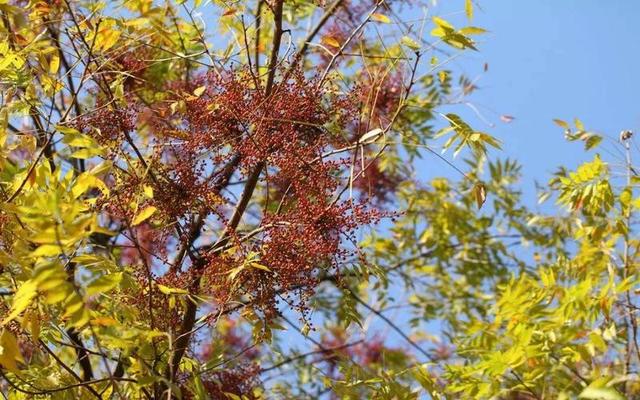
143, 215
21, 300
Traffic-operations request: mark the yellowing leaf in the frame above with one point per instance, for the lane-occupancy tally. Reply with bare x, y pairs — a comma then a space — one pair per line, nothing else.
561, 123
442, 23
104, 321
468, 9
472, 30
442, 76
148, 191
54, 64
410, 43
198, 91
167, 290
259, 266
107, 38
330, 41
83, 154
86, 181
22, 299
480, 194
77, 139
31, 323
47, 250
104, 283
380, 18
601, 393
371, 136
9, 351
229, 11
143, 215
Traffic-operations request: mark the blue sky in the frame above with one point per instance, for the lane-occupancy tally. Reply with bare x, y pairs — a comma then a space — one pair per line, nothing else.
552, 59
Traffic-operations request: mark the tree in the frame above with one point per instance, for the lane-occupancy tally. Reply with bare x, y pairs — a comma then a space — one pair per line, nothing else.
222, 200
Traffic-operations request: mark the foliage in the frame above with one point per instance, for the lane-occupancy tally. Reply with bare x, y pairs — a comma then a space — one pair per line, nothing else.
224, 200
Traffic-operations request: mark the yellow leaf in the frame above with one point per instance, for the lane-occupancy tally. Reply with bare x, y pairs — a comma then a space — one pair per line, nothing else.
442, 75
22, 299
371, 136
198, 91
148, 191
380, 18
104, 321
168, 290
330, 41
86, 181
480, 193
83, 154
31, 323
9, 352
104, 283
442, 23
561, 123
143, 215
47, 250
107, 38
54, 64
78, 139
260, 266
468, 9
472, 30
410, 43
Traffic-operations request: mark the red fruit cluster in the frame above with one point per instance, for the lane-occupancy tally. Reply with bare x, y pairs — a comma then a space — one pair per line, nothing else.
107, 123
287, 131
240, 381
222, 122
364, 354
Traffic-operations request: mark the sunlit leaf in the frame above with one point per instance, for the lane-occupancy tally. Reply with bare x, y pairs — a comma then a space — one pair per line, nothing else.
143, 215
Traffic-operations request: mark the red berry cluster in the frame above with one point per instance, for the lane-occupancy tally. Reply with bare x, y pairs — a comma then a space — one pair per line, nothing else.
216, 124
240, 381
366, 354
108, 124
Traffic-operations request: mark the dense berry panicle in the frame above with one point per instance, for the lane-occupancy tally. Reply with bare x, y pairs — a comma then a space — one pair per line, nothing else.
218, 123
240, 380
108, 124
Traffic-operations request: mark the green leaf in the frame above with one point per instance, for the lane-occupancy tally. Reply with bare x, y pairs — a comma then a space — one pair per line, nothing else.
592, 142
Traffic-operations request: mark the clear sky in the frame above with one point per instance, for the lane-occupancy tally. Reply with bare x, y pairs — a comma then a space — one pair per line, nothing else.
553, 59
